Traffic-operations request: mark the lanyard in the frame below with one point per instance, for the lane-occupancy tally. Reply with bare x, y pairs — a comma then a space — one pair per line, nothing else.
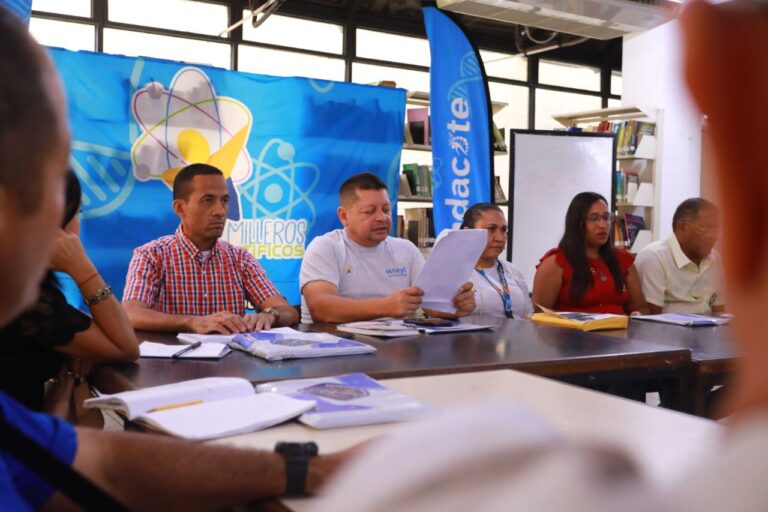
503, 291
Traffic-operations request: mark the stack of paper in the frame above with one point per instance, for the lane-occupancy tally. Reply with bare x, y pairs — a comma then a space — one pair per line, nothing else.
393, 328
348, 400
203, 408
686, 319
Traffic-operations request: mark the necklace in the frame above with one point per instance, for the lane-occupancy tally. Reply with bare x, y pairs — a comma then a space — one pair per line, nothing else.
596, 272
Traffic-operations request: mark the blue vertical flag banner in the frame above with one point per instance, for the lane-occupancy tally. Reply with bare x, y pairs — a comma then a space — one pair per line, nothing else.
285, 146
21, 8
462, 154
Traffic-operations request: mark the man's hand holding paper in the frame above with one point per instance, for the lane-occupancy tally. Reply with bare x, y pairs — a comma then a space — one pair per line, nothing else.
445, 276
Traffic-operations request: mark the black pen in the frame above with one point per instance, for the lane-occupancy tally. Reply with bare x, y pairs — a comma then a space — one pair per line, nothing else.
186, 349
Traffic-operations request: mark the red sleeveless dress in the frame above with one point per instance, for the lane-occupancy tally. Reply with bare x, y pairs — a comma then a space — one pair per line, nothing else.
601, 297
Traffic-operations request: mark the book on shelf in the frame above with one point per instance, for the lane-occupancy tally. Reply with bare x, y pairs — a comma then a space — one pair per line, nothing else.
580, 321
385, 83
202, 409
348, 400
411, 172
425, 180
499, 144
686, 319
405, 187
633, 224
400, 226
418, 125
419, 225
498, 191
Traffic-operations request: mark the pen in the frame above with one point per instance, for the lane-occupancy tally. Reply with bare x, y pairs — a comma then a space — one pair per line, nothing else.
175, 406
186, 349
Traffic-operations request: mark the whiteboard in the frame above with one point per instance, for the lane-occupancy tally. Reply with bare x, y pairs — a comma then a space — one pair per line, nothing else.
547, 169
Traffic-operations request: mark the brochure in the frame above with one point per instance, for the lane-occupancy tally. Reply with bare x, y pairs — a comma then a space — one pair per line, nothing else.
348, 400
287, 343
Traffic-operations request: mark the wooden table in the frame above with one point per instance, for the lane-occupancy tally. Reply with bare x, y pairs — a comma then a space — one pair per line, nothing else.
568, 355
713, 355
664, 443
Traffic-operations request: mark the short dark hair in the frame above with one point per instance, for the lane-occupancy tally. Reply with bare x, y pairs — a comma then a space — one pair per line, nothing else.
476, 211
182, 183
362, 181
29, 122
689, 210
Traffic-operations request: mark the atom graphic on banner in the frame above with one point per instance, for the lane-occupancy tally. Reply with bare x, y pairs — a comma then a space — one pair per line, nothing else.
280, 187
186, 124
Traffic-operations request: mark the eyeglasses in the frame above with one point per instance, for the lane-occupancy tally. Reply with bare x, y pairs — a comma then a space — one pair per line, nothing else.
597, 217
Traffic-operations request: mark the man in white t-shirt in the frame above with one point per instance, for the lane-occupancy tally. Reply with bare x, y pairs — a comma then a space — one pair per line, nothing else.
683, 273
360, 272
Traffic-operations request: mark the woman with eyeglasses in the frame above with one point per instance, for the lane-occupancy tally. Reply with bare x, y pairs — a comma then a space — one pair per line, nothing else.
500, 289
585, 272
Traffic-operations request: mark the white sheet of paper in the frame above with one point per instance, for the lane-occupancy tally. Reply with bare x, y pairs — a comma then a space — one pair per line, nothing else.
204, 351
449, 265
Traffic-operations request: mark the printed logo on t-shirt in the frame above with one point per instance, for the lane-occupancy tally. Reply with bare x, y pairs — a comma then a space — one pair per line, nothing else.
396, 272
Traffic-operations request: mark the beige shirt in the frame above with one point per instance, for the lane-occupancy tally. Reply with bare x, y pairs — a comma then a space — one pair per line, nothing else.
675, 283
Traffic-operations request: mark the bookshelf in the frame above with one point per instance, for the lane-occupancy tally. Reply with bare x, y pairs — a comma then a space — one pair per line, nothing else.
636, 132
415, 192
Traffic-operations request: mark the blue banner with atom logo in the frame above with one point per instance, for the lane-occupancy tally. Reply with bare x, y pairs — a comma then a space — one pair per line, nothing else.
285, 146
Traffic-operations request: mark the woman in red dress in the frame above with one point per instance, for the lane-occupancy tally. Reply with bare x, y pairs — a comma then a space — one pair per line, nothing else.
585, 272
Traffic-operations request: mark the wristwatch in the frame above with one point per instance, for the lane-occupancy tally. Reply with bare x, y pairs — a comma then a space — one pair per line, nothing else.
272, 311
296, 456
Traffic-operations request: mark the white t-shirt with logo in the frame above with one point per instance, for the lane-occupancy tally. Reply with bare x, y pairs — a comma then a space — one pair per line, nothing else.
359, 272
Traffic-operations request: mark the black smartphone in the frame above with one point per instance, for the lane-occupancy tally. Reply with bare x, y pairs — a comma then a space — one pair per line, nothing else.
430, 322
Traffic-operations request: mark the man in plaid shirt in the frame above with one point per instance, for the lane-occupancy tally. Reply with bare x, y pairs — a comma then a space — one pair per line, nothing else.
193, 282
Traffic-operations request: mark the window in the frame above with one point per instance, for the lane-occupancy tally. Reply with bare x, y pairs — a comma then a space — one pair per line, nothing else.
393, 48
502, 65
281, 63
181, 15
297, 33
417, 81
614, 103
569, 75
515, 114
555, 102
616, 83
70, 7
63, 34
136, 44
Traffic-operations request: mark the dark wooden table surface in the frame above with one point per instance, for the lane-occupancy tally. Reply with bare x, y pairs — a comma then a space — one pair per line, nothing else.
568, 355
713, 354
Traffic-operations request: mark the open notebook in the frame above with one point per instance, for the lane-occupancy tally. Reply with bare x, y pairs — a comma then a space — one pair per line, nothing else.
203, 408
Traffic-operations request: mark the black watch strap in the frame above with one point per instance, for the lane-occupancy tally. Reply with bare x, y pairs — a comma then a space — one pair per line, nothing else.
296, 457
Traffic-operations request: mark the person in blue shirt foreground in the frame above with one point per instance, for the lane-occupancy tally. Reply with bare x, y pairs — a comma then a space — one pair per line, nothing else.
144, 472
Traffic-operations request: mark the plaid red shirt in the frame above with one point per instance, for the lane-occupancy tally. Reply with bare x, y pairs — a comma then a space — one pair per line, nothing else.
170, 275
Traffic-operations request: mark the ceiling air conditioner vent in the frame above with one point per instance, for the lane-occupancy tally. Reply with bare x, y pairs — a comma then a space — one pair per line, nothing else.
597, 19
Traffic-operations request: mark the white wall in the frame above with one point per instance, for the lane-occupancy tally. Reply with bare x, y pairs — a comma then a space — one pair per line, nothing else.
653, 79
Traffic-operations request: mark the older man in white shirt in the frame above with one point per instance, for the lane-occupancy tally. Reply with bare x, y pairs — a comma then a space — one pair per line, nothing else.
683, 273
